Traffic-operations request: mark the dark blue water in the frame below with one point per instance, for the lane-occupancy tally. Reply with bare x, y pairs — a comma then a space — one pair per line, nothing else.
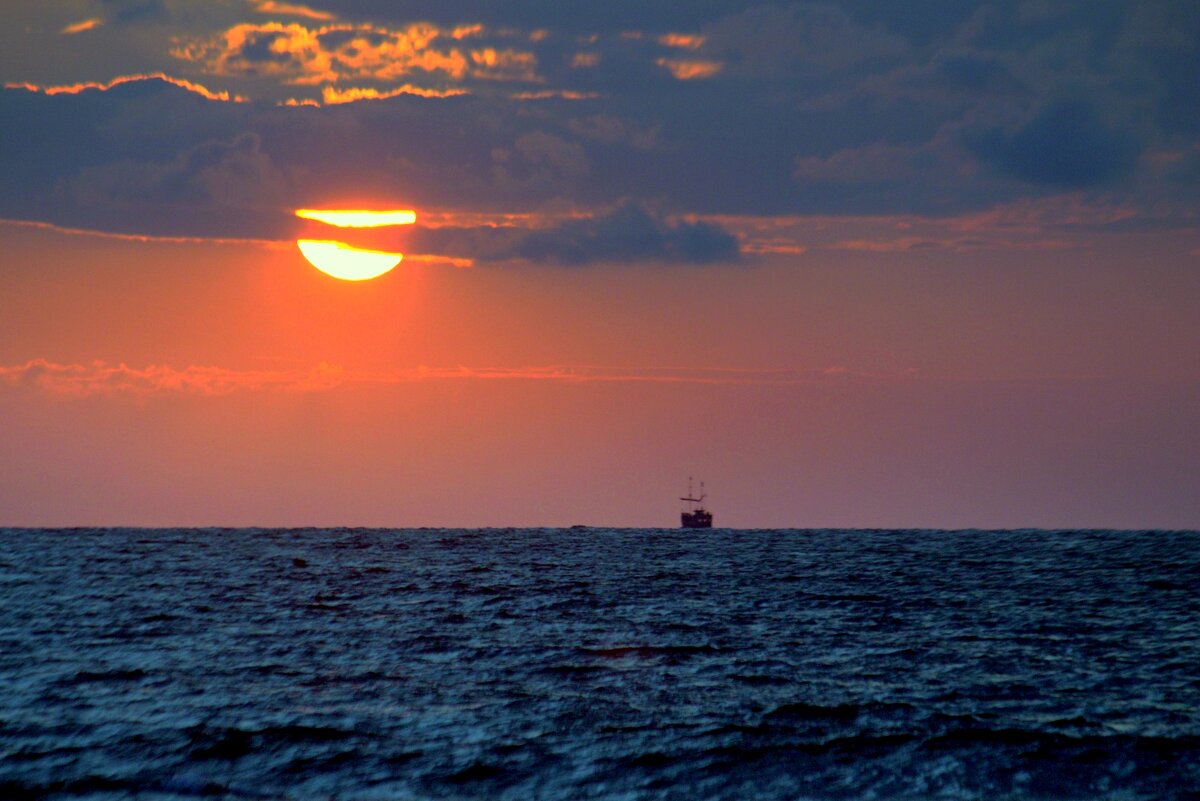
513, 664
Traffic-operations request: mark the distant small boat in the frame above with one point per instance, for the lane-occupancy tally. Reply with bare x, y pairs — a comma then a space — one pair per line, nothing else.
695, 515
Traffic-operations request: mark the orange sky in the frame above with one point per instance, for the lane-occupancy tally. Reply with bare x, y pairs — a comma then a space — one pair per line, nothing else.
864, 392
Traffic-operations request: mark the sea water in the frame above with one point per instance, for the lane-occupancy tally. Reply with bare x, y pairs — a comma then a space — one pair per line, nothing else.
598, 663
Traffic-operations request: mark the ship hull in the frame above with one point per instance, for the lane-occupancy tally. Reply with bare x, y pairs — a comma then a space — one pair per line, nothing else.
697, 519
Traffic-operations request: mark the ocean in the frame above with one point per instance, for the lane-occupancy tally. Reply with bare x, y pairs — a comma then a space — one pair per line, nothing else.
599, 664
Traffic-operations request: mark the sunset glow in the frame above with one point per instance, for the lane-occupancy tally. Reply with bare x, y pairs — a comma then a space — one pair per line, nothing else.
347, 263
358, 218
856, 264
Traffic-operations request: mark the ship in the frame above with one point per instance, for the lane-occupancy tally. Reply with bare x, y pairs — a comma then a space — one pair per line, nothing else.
695, 515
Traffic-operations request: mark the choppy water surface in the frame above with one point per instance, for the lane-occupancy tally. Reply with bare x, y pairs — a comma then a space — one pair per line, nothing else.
310, 664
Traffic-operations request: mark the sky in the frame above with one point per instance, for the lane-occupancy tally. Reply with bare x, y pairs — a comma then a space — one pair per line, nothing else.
854, 264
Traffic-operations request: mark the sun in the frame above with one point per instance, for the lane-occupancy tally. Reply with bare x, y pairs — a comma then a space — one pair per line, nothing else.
342, 261
349, 264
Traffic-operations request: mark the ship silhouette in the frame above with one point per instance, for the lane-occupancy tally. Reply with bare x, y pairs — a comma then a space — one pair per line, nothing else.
695, 515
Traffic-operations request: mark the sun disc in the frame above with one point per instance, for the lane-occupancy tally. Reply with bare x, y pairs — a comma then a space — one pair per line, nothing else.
347, 263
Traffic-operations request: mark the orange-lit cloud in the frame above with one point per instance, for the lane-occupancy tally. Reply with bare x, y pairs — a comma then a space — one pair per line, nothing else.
685, 41
296, 49
434, 258
467, 31
101, 378
504, 65
779, 247
689, 70
333, 96
76, 88
80, 27
331, 53
291, 10
585, 60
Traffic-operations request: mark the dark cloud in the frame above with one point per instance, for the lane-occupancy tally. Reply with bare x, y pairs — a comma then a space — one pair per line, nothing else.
1066, 144
626, 233
127, 11
799, 40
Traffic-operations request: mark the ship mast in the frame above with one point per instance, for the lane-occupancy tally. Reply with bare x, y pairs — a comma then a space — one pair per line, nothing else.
690, 497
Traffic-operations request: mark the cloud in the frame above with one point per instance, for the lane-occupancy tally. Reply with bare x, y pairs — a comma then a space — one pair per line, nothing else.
685, 41
799, 40
861, 165
504, 65
332, 96
627, 233
541, 148
864, 109
303, 55
1066, 144
614, 130
274, 244
291, 10
80, 27
690, 69
230, 185
99, 378
555, 94
120, 80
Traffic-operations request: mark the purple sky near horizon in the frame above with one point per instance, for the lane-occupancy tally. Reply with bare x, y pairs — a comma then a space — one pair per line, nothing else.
854, 265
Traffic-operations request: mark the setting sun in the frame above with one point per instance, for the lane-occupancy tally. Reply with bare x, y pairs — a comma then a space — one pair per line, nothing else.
343, 261
347, 263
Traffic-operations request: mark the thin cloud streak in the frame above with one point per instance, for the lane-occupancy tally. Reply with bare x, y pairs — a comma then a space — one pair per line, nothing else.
292, 10
101, 378
272, 244
332, 96
269, 244
684, 41
104, 86
555, 94
80, 27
